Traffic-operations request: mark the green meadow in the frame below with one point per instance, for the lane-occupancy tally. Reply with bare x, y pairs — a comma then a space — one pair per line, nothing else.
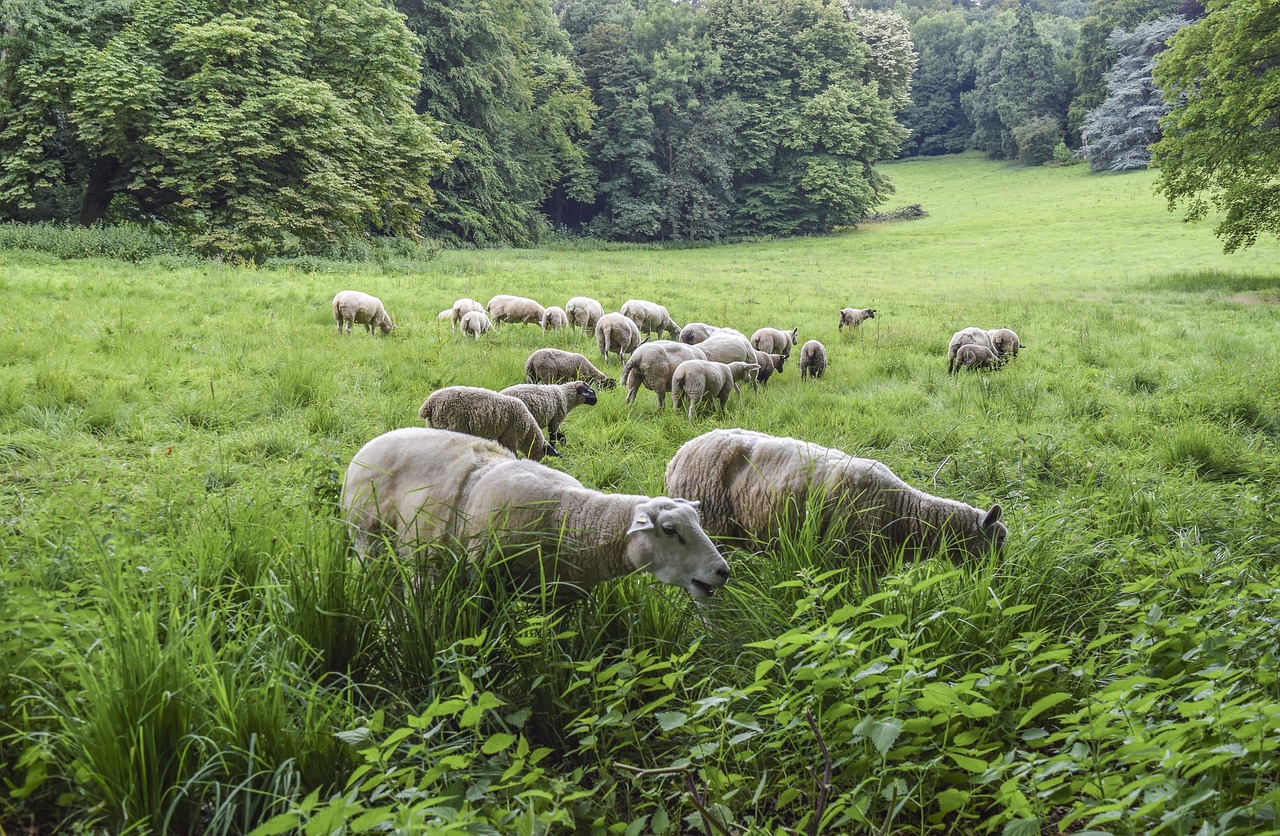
187, 645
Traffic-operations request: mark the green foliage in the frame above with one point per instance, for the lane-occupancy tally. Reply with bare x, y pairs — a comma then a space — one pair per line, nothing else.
1219, 149
945, 71
126, 242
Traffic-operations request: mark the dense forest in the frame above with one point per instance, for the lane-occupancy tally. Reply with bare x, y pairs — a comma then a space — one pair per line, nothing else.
281, 126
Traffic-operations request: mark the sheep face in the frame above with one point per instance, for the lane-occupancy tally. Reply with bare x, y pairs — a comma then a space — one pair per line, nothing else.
666, 538
967, 543
587, 394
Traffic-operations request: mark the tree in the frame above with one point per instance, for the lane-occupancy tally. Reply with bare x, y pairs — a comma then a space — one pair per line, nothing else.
256, 127
1221, 142
1118, 134
946, 70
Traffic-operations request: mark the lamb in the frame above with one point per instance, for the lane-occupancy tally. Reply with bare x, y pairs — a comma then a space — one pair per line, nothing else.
653, 364
696, 332
584, 312
971, 356
694, 379
503, 308
752, 485
769, 363
351, 307
461, 308
966, 336
552, 365
550, 403
853, 317
775, 340
813, 359
420, 487
1005, 342
650, 317
617, 334
476, 323
487, 414
554, 318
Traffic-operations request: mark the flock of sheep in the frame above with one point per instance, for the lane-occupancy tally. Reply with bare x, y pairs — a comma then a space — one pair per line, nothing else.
460, 481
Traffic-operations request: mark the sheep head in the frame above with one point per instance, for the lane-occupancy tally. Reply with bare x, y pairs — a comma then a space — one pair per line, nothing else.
666, 538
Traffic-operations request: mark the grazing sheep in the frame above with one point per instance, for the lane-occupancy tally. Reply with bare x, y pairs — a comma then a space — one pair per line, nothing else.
728, 346
486, 414
552, 365
461, 308
966, 336
476, 323
853, 317
769, 363
351, 307
695, 379
616, 334
650, 317
751, 485
696, 332
971, 356
1005, 342
813, 359
550, 403
554, 318
503, 308
584, 312
446, 316
424, 486
775, 340
653, 364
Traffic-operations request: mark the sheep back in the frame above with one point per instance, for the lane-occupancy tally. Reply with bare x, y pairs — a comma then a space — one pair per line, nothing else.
584, 312
486, 414
813, 359
775, 340
476, 323
617, 334
554, 365
518, 309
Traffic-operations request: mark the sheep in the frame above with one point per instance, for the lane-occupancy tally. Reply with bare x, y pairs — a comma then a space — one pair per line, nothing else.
1005, 342
694, 379
617, 334
503, 308
775, 340
554, 318
552, 365
550, 403
351, 307
971, 356
813, 359
728, 346
422, 486
696, 332
487, 414
584, 312
653, 364
650, 317
966, 336
476, 323
853, 317
752, 485
446, 316
461, 308
769, 364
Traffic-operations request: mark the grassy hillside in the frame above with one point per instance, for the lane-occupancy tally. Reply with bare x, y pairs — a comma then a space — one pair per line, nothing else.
187, 646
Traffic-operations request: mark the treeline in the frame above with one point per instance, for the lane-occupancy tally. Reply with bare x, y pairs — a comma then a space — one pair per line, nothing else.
283, 126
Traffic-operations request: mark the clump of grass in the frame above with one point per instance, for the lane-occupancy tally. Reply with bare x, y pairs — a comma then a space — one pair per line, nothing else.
1207, 451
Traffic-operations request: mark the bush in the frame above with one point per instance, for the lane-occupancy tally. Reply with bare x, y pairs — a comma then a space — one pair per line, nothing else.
126, 242
1036, 139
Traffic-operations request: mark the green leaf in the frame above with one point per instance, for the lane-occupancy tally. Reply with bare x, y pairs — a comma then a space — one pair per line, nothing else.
884, 733
498, 743
1041, 705
1022, 827
669, 720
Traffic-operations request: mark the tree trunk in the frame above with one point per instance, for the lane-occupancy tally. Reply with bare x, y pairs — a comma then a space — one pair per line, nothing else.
98, 194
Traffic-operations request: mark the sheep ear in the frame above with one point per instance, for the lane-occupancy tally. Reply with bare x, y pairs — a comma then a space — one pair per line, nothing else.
695, 504
993, 516
641, 522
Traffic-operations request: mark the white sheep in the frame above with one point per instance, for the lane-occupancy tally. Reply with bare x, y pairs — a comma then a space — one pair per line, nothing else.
728, 346
696, 379
696, 332
461, 308
769, 364
487, 414
650, 317
505, 308
1005, 342
617, 334
553, 365
813, 359
554, 318
423, 487
966, 336
584, 312
853, 317
550, 403
351, 307
652, 366
971, 356
476, 323
751, 485
775, 340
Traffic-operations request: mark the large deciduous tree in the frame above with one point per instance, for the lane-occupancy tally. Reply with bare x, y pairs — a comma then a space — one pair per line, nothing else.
256, 126
1221, 142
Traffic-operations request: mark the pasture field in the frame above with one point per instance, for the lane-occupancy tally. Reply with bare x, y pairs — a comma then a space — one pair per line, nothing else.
186, 647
